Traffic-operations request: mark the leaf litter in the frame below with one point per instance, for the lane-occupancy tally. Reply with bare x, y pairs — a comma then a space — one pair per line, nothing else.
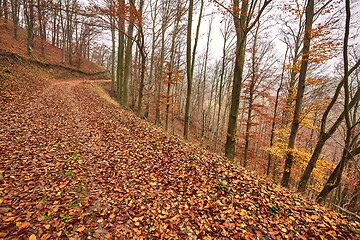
74, 166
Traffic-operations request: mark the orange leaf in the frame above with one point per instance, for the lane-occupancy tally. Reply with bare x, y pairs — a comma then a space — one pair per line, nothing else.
80, 229
45, 236
24, 225
32, 237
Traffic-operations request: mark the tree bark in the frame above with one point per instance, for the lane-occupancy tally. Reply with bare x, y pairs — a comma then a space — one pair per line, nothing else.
240, 22
15, 9
273, 124
29, 18
113, 48
128, 58
171, 64
335, 177
120, 63
300, 93
190, 62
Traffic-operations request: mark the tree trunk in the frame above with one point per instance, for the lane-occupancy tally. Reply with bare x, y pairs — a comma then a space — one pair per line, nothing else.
120, 66
29, 18
142, 52
171, 65
15, 9
113, 53
300, 94
190, 62
5, 10
42, 27
335, 177
160, 68
251, 95
2, 8
128, 59
240, 23
273, 124
226, 34
324, 136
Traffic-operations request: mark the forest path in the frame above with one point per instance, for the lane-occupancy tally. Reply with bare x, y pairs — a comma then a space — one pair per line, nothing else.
70, 153
75, 165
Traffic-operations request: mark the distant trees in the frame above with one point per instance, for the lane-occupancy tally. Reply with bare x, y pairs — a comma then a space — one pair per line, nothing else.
66, 23
242, 16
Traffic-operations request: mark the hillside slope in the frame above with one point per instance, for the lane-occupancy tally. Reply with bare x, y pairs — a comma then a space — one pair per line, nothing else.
75, 166
52, 55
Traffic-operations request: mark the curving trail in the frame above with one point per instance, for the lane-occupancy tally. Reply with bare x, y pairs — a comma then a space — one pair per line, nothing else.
75, 166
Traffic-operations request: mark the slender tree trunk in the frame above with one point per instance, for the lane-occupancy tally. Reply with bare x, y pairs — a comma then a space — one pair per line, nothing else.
171, 64
203, 125
29, 18
128, 59
300, 93
222, 76
113, 55
69, 26
54, 27
42, 27
273, 124
15, 9
64, 35
325, 135
190, 62
160, 68
5, 10
212, 118
335, 177
135, 76
120, 66
240, 23
253, 80
152, 56
188, 69
2, 8
142, 52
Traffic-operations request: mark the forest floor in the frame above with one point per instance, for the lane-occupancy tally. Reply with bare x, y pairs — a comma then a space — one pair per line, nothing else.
75, 166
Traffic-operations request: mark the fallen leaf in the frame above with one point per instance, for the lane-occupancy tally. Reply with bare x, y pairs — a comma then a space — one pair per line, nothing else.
80, 229
24, 226
45, 236
32, 237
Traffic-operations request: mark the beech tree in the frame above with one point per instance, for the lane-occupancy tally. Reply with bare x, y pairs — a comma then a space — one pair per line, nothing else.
325, 133
15, 11
128, 54
173, 74
309, 15
29, 14
190, 61
242, 16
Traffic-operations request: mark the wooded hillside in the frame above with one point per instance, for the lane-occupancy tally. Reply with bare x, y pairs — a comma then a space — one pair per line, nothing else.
272, 86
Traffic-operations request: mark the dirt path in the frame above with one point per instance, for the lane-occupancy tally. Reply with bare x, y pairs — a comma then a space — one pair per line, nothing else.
69, 153
75, 166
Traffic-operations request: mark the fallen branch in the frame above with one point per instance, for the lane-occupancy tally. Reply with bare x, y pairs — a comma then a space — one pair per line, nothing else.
347, 213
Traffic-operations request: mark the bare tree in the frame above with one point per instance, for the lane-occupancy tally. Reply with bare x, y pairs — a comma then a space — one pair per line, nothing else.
190, 61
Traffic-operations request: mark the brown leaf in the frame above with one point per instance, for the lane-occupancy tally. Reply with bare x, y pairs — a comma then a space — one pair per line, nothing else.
24, 225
